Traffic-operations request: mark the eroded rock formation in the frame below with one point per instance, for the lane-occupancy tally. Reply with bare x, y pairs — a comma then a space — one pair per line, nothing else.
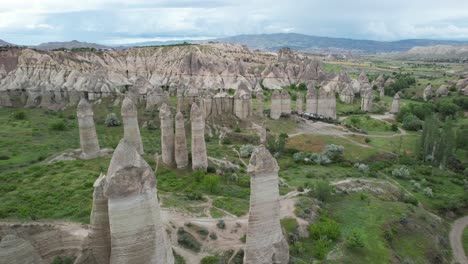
265, 243
347, 95
299, 103
428, 93
285, 102
137, 233
242, 102
181, 153
275, 111
15, 250
167, 134
199, 156
395, 104
367, 100
130, 123
259, 109
88, 137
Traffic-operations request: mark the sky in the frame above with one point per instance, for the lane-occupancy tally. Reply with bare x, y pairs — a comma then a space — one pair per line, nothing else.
113, 22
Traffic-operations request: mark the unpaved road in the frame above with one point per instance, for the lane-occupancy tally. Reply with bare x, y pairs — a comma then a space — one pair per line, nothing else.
456, 242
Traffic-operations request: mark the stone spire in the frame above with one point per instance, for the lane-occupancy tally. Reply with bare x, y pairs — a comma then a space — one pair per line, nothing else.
88, 137
395, 104
242, 101
285, 102
275, 111
265, 242
299, 103
199, 158
97, 246
130, 123
367, 98
326, 103
167, 134
427, 93
137, 232
312, 100
347, 95
181, 154
260, 103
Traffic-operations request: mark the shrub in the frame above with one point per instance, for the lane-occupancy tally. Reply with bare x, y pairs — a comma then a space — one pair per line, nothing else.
323, 191
210, 260
58, 125
19, 115
213, 236
186, 240
193, 195
226, 141
355, 239
394, 127
412, 122
246, 150
367, 140
325, 228
410, 199
198, 175
402, 173
211, 183
428, 192
363, 168
221, 224
299, 156
112, 120
333, 152
320, 248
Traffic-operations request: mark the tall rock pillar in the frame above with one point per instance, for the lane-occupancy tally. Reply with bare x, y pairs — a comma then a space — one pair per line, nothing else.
285, 102
265, 242
130, 123
181, 153
199, 157
275, 111
138, 235
259, 103
88, 137
299, 103
395, 104
167, 134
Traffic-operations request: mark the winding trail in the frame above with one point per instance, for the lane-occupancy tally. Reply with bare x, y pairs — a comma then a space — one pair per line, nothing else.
456, 236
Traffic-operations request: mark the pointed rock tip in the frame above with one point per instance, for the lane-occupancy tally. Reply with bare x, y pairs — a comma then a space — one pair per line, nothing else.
84, 107
262, 161
179, 115
128, 106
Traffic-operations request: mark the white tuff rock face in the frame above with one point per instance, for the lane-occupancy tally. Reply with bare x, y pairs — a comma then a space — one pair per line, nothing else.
326, 104
88, 137
312, 100
275, 111
15, 250
97, 246
347, 95
167, 134
395, 104
259, 103
265, 243
181, 153
367, 99
199, 156
137, 233
242, 102
130, 123
299, 103
285, 102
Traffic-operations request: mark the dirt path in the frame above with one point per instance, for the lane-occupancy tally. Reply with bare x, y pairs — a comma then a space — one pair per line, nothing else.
456, 235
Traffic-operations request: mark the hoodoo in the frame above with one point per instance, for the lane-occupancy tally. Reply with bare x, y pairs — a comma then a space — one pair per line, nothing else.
130, 123
137, 233
199, 158
181, 153
88, 137
395, 104
167, 134
275, 111
265, 242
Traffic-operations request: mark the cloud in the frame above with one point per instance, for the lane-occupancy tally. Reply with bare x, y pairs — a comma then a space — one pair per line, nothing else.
116, 21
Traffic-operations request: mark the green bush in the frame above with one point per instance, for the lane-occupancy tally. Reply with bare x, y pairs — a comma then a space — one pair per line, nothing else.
186, 240
58, 125
19, 115
211, 183
246, 150
412, 122
213, 236
112, 120
210, 260
322, 191
221, 224
199, 175
355, 239
325, 228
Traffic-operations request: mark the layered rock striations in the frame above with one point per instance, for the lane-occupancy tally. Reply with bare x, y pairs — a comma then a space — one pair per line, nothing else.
137, 233
130, 123
88, 137
265, 243
15, 250
199, 156
167, 134
180, 146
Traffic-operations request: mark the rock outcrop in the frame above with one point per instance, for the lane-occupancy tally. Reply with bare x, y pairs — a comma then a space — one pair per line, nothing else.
442, 90
242, 102
275, 110
199, 156
312, 100
97, 246
15, 250
167, 134
395, 104
367, 100
259, 109
428, 93
362, 78
181, 153
130, 123
265, 243
88, 137
137, 233
285, 102
299, 103
347, 95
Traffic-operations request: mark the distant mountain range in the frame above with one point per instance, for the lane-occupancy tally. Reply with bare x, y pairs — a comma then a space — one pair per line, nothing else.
4, 43
273, 42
